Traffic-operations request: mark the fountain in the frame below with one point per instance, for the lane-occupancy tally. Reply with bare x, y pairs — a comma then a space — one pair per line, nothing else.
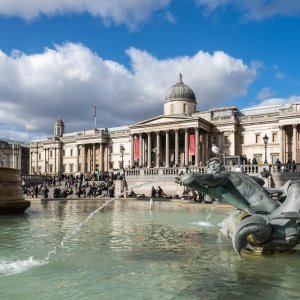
260, 223
11, 198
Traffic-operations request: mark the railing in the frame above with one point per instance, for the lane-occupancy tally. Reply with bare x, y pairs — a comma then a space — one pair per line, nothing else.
249, 169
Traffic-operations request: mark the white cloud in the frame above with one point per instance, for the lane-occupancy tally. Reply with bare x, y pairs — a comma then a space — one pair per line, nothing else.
70, 79
265, 93
279, 101
129, 12
256, 9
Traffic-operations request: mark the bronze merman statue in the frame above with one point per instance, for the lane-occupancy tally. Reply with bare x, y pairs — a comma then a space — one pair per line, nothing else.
260, 223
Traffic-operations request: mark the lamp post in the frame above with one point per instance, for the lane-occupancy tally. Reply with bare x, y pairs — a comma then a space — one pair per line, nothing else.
265, 139
122, 150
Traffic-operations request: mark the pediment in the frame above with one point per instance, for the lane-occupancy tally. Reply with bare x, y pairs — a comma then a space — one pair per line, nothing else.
159, 120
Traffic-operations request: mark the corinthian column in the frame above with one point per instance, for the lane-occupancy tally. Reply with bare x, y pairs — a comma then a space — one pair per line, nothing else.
176, 147
295, 142
131, 150
94, 157
281, 144
149, 150
101, 157
157, 148
186, 147
140, 149
167, 164
196, 146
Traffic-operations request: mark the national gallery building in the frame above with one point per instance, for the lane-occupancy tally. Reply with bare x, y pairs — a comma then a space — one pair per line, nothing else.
180, 137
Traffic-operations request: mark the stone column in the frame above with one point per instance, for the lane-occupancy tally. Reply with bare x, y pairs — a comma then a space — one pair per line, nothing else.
167, 164
157, 148
186, 147
94, 157
101, 158
140, 149
149, 150
232, 150
36, 160
30, 162
281, 144
83, 158
45, 160
206, 146
295, 143
77, 159
108, 157
59, 160
55, 161
176, 146
196, 146
131, 150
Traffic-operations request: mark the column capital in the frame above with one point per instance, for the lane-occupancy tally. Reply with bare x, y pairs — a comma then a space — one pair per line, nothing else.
280, 127
294, 125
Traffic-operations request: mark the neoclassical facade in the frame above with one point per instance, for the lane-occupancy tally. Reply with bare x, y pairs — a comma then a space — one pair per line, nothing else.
180, 137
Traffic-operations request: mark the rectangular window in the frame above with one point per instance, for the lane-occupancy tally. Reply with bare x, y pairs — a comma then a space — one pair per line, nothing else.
79, 168
242, 140
63, 168
51, 169
257, 138
226, 140
274, 158
40, 156
50, 153
71, 168
258, 157
274, 137
71, 152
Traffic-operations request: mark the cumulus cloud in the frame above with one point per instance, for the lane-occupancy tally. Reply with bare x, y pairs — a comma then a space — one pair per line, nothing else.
129, 12
280, 101
265, 93
68, 80
256, 9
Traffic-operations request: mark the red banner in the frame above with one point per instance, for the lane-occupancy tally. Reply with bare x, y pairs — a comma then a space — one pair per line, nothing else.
136, 146
192, 144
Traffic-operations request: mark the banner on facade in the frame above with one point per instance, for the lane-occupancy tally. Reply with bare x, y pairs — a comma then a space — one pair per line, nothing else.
136, 146
192, 144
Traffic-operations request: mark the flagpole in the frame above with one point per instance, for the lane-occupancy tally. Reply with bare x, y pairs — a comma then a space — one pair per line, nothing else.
95, 119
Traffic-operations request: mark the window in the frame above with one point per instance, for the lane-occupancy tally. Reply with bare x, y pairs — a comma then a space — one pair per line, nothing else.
71, 168
242, 140
257, 138
50, 153
226, 140
50, 168
63, 168
274, 158
172, 109
258, 157
274, 137
79, 168
40, 156
71, 152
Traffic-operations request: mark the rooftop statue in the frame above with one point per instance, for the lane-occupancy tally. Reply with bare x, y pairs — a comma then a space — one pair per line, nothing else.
259, 223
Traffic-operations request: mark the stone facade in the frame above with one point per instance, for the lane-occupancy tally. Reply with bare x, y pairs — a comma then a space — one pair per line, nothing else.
180, 137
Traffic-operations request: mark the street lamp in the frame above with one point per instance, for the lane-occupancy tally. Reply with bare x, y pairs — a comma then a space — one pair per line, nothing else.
265, 139
122, 150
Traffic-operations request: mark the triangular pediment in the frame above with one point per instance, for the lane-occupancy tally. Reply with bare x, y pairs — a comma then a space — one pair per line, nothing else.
159, 120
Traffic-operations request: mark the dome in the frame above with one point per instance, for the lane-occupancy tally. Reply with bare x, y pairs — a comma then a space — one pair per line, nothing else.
59, 122
4, 145
180, 91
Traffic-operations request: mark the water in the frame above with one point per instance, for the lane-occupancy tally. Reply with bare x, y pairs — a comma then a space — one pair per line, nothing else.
68, 250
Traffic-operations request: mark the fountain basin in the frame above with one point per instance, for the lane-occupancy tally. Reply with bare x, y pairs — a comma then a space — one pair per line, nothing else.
11, 197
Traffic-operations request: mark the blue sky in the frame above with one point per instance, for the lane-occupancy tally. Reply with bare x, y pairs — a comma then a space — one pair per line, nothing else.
60, 58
